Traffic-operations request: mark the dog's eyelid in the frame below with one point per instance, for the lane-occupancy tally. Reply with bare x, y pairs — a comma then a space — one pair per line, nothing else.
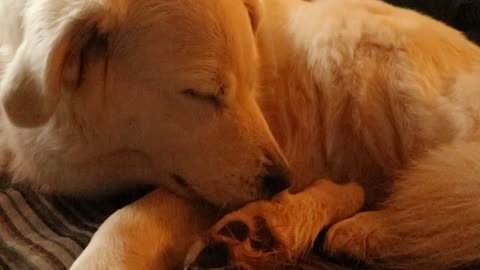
196, 93
214, 99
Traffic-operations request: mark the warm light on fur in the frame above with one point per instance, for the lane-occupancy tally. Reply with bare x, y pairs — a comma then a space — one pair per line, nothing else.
96, 96
198, 97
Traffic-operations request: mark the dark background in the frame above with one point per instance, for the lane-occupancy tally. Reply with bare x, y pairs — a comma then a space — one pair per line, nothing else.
461, 14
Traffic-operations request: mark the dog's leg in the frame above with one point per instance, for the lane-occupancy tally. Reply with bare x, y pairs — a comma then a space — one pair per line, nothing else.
431, 220
270, 234
151, 233
362, 236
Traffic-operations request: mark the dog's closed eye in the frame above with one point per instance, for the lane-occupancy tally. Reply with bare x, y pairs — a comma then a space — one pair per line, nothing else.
209, 98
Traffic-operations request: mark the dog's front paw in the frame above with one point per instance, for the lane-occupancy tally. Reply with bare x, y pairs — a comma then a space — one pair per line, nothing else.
262, 235
246, 238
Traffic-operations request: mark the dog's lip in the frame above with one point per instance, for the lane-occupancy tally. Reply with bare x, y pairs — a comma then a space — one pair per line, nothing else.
183, 183
190, 192
180, 180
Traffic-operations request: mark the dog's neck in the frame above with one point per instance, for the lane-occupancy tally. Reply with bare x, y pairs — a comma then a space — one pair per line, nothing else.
291, 117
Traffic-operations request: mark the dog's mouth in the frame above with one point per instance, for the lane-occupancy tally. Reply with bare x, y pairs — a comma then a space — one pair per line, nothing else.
187, 190
182, 183
190, 193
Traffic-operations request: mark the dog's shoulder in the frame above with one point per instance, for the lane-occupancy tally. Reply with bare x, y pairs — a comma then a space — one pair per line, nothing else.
336, 32
390, 71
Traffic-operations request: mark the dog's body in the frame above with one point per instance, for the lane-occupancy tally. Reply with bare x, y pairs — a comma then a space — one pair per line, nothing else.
351, 90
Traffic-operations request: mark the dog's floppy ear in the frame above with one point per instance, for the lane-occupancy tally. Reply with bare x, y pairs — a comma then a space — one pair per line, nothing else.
50, 58
255, 11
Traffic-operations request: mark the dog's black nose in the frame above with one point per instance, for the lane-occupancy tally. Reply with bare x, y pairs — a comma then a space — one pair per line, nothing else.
274, 180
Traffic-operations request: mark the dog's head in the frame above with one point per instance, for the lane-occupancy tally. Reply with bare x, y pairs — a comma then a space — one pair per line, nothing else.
173, 80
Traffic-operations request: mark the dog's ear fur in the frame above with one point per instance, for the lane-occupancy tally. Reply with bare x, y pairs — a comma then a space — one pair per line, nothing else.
50, 58
255, 11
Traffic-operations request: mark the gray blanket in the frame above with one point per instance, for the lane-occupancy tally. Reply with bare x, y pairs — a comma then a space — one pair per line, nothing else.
48, 232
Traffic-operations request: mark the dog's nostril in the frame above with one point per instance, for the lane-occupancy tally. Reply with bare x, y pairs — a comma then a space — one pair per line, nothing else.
274, 180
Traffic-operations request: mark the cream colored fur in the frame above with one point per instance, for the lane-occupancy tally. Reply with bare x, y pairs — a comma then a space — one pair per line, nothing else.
351, 90
94, 95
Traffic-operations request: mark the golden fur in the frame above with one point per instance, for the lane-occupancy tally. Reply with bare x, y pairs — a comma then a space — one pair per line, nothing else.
382, 101
96, 91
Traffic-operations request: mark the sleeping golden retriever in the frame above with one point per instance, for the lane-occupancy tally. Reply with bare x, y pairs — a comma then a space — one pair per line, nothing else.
367, 115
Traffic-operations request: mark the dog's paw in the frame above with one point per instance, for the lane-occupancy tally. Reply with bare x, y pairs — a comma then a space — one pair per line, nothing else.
246, 238
262, 235
274, 234
358, 237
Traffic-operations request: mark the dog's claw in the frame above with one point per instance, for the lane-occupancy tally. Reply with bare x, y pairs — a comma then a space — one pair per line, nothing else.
192, 255
203, 256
